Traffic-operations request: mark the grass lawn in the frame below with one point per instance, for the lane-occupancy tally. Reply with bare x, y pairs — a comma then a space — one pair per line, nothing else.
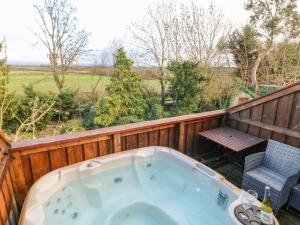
44, 82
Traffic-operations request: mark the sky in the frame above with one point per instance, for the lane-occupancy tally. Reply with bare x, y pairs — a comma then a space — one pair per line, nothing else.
105, 20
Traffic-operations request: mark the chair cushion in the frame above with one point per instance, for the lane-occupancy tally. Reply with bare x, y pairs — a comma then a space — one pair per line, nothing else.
267, 177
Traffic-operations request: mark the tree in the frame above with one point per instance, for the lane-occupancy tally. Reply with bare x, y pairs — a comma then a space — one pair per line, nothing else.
124, 100
201, 30
6, 98
185, 85
244, 47
152, 38
33, 112
59, 33
273, 19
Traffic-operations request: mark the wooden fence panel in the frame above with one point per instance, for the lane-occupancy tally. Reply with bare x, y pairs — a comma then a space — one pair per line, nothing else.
274, 116
8, 208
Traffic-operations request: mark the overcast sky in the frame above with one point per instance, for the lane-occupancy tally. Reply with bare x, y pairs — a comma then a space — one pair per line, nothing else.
104, 19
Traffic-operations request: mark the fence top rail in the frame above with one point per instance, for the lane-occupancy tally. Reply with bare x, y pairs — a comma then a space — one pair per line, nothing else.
265, 98
78, 136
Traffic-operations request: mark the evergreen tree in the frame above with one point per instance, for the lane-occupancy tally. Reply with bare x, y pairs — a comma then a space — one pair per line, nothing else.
185, 86
124, 100
244, 46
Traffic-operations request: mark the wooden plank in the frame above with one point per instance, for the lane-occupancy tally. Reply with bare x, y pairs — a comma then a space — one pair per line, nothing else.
117, 143
65, 145
131, 142
123, 143
172, 138
148, 130
104, 147
284, 110
268, 117
153, 138
7, 199
268, 127
196, 144
256, 114
75, 154
164, 137
231, 123
40, 164
294, 124
91, 150
27, 170
3, 168
214, 123
18, 178
189, 139
58, 158
205, 125
267, 98
244, 114
3, 210
143, 140
11, 192
181, 138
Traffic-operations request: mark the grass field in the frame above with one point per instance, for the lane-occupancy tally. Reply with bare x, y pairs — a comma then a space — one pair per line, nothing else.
43, 81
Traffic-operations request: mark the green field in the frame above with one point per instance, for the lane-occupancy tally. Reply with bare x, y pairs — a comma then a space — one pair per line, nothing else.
44, 82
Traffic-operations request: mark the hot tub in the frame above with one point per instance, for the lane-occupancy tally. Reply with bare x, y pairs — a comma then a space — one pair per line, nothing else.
146, 186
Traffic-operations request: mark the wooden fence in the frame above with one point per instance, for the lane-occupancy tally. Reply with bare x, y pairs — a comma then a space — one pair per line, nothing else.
8, 208
32, 159
275, 116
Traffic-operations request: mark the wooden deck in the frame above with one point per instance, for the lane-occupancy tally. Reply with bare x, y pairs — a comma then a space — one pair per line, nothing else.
234, 175
275, 116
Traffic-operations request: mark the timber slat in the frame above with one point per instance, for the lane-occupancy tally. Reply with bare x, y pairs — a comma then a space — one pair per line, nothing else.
142, 140
268, 127
58, 158
75, 154
268, 117
91, 150
295, 121
164, 137
282, 119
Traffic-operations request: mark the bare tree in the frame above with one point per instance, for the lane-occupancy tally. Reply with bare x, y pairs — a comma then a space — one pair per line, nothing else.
201, 31
58, 31
38, 111
273, 20
152, 37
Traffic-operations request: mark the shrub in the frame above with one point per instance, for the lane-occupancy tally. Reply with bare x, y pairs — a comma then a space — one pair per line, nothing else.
33, 99
67, 104
124, 94
71, 126
217, 93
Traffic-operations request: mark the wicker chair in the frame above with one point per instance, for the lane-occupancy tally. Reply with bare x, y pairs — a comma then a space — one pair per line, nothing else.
278, 168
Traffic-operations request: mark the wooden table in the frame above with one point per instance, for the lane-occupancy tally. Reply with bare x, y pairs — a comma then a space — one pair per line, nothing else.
232, 139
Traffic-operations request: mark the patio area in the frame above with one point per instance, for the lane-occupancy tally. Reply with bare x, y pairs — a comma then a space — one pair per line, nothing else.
274, 116
235, 173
